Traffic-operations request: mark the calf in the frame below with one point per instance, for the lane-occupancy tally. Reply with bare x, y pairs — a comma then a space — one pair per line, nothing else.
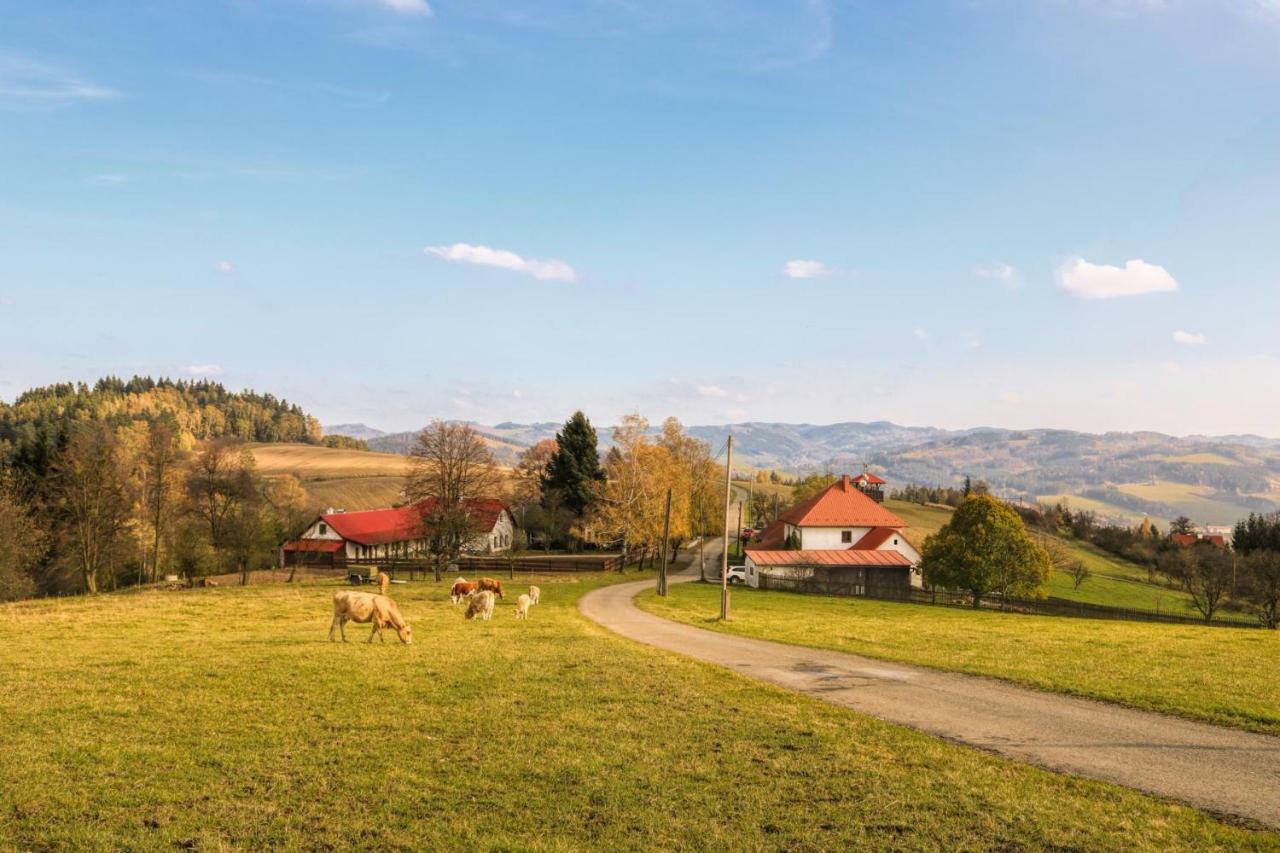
365, 607
534, 594
481, 605
492, 585
462, 588
522, 606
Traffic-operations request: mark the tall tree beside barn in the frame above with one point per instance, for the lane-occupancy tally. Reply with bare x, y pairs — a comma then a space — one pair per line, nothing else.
574, 469
985, 549
449, 465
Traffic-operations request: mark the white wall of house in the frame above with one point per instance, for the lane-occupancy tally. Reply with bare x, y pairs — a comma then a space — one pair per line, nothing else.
320, 530
830, 538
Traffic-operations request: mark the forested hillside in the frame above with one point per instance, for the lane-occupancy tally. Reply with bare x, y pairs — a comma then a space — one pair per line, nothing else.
36, 426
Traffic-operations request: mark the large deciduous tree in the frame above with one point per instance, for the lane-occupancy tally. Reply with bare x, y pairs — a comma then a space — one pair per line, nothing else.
1262, 585
985, 549
92, 502
449, 466
22, 542
574, 469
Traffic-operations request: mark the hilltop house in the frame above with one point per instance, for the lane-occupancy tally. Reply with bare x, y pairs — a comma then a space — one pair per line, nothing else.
840, 536
338, 537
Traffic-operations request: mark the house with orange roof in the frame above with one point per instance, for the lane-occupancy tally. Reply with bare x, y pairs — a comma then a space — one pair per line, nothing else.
337, 537
841, 536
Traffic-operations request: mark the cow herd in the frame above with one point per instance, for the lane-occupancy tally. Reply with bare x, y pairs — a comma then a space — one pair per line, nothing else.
378, 608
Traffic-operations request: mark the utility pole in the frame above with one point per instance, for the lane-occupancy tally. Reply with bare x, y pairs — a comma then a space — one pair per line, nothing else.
737, 533
666, 533
724, 556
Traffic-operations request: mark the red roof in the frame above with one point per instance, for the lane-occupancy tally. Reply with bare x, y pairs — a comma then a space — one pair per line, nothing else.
774, 535
874, 538
1188, 539
851, 557
868, 478
381, 526
325, 546
841, 505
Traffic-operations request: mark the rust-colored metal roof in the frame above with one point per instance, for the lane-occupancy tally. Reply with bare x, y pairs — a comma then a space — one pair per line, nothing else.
399, 524
874, 538
851, 557
841, 505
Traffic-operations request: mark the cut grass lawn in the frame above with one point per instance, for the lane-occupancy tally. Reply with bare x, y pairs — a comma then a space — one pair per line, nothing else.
223, 719
1222, 675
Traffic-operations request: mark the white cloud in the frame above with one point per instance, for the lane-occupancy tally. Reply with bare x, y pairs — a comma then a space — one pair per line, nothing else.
408, 7
1193, 339
921, 334
806, 269
225, 267
1006, 274
1102, 281
550, 269
712, 391
201, 369
26, 79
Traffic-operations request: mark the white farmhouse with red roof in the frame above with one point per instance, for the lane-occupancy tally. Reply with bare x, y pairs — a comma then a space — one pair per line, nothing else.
841, 535
337, 537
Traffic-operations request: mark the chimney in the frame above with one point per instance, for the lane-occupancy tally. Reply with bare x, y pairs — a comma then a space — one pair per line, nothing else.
844, 483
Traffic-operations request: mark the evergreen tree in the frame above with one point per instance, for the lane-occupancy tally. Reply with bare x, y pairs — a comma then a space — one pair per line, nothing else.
574, 470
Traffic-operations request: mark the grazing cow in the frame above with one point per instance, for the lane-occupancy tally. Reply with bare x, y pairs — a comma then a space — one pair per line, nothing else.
462, 588
522, 606
534, 594
365, 607
481, 605
492, 585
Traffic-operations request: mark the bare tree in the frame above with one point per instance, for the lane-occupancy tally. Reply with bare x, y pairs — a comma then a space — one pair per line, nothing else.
1206, 573
92, 501
161, 459
449, 467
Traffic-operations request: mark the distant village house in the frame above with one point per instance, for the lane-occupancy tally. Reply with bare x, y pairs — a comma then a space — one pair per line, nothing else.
338, 537
843, 536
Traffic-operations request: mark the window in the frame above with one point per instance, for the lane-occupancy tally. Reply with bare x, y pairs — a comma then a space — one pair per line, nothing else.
895, 542
846, 536
324, 529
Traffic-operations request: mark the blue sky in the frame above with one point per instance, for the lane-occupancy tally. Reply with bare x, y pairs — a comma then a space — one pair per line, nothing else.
949, 213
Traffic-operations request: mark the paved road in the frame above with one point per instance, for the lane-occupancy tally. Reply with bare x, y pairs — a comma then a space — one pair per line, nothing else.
1218, 769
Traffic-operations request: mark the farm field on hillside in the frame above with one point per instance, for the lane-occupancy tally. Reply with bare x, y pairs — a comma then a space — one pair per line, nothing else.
307, 461
235, 724
354, 493
1223, 675
1115, 582
1103, 509
1199, 503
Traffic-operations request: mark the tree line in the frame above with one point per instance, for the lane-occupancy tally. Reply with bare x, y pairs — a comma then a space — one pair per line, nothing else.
128, 505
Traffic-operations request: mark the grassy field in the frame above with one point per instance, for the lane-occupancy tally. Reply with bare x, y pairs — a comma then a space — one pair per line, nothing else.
1224, 675
1200, 503
221, 718
1114, 582
308, 461
1103, 509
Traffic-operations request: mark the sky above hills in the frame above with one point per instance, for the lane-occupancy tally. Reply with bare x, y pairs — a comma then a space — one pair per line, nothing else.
1030, 213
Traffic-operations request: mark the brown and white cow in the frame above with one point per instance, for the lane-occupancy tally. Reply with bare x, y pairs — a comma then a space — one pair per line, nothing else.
492, 586
462, 588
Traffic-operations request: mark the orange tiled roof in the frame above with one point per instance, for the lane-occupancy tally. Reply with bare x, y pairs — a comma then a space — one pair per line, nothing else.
841, 505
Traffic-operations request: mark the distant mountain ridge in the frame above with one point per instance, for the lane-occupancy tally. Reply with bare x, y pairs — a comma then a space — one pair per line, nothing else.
360, 431
1121, 475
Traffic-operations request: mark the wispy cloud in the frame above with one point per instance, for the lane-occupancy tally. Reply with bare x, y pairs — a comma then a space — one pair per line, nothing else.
23, 78
1102, 281
806, 269
1193, 339
225, 267
201, 369
550, 269
1006, 274
712, 391
419, 8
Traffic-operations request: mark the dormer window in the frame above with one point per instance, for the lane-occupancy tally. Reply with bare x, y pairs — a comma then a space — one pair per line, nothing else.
324, 529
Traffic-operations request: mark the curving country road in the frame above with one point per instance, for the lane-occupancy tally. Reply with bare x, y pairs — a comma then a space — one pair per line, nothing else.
1222, 770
